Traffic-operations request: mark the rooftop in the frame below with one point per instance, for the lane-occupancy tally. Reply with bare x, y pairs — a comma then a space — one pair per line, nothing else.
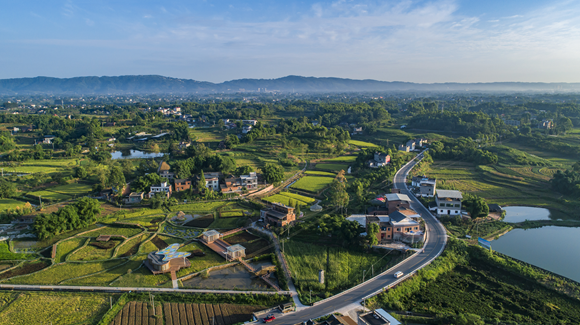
451, 194
211, 233
235, 248
397, 197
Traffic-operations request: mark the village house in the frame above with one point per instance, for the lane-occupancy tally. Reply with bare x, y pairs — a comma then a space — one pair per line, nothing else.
357, 130
397, 201
212, 180
250, 181
184, 145
278, 215
427, 186
246, 129
161, 188
231, 184
164, 171
448, 202
420, 142
409, 146
134, 197
377, 317
402, 226
48, 139
250, 122
379, 160
182, 184
545, 124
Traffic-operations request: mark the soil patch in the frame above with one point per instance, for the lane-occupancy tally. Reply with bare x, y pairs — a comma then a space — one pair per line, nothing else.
240, 237
25, 269
159, 243
201, 222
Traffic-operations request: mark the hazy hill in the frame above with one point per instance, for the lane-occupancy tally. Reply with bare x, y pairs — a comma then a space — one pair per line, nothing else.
161, 85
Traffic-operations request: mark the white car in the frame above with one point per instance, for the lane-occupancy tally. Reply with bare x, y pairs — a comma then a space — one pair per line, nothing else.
398, 274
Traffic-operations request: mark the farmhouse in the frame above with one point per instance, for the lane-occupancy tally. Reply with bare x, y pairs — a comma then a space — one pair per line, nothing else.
448, 202
48, 139
379, 160
545, 124
161, 188
164, 171
377, 317
425, 184
402, 225
278, 215
232, 185
397, 201
409, 146
212, 180
134, 197
182, 185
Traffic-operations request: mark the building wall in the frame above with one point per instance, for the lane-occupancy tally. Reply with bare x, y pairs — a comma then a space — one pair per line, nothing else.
393, 206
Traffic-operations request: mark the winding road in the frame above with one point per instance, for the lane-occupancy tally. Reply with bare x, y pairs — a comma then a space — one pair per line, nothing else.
435, 243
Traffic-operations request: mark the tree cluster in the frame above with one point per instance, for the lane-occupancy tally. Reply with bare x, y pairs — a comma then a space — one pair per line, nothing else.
80, 214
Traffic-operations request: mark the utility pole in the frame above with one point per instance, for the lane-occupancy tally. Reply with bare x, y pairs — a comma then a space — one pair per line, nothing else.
311, 296
373, 269
110, 302
40, 199
364, 275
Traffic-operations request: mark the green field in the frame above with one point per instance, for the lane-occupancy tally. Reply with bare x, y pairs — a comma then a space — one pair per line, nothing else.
344, 270
362, 144
58, 273
298, 197
120, 231
6, 254
319, 173
281, 199
312, 183
92, 253
49, 195
198, 206
66, 247
331, 167
343, 158
72, 189
24, 308
10, 204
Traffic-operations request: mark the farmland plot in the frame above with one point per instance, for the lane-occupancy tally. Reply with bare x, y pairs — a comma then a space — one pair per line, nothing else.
312, 183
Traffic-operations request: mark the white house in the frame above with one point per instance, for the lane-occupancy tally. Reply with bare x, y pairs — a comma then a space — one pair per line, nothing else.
250, 181
212, 181
161, 188
448, 202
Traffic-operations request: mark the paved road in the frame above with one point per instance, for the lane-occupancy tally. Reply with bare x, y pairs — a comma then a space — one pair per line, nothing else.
434, 246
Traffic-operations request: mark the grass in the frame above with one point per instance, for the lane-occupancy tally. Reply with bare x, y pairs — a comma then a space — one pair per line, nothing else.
6, 254
25, 308
345, 267
362, 144
65, 235
126, 231
58, 273
72, 189
10, 204
229, 223
105, 278
343, 158
298, 197
144, 278
281, 199
49, 195
201, 222
319, 173
312, 183
198, 206
199, 263
92, 253
131, 247
331, 167
66, 247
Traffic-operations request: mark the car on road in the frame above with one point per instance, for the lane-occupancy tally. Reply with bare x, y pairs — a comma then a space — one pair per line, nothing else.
398, 274
269, 318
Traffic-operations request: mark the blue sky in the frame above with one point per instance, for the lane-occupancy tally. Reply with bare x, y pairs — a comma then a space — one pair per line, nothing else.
417, 41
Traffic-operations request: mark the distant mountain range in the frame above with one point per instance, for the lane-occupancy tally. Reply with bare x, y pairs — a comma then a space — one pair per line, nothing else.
153, 84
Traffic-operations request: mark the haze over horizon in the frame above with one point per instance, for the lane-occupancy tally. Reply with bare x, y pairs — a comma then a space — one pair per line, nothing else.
414, 41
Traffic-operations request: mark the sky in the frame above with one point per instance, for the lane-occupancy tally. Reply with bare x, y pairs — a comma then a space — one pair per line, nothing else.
406, 40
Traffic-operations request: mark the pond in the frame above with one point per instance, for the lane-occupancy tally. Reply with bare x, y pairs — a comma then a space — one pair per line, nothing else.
135, 154
521, 214
552, 248
233, 277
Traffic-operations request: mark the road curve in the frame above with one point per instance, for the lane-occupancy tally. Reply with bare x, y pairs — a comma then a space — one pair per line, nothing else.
436, 241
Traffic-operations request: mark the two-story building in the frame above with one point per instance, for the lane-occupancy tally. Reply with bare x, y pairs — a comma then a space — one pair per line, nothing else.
182, 184
407, 147
397, 201
164, 171
426, 185
163, 188
134, 198
403, 225
379, 160
250, 181
278, 215
448, 202
231, 184
212, 181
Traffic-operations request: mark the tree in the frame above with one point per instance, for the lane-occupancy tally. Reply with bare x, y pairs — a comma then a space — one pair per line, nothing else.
273, 173
117, 178
201, 183
221, 124
476, 206
372, 232
80, 172
243, 170
7, 189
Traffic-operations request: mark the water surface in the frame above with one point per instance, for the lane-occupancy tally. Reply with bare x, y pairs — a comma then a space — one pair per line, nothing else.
555, 249
135, 154
521, 214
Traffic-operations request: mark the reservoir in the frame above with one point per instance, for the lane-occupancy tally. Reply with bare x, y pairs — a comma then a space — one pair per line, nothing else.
521, 214
135, 154
552, 248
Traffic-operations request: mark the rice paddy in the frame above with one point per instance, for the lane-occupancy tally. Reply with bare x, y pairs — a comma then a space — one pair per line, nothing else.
312, 184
